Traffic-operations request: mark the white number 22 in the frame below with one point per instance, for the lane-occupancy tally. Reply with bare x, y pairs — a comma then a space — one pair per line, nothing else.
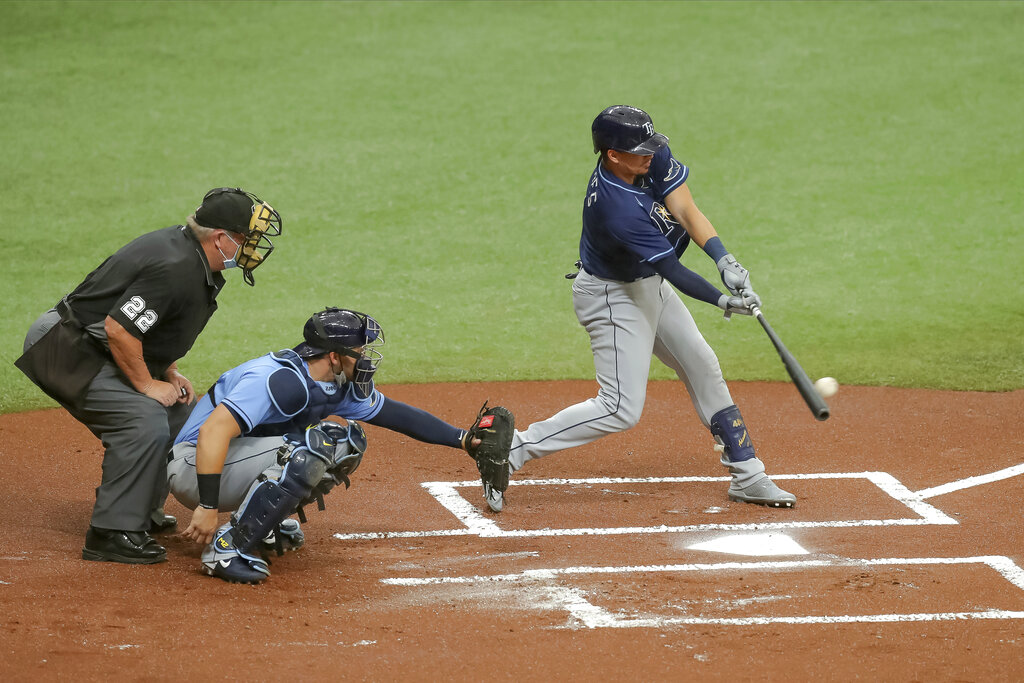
136, 305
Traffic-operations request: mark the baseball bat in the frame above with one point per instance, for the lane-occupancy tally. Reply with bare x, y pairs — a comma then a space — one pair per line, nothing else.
803, 383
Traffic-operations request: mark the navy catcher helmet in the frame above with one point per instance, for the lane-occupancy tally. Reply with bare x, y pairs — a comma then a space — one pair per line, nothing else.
342, 330
626, 129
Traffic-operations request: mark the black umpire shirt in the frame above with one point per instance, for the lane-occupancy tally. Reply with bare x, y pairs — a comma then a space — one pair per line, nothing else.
159, 287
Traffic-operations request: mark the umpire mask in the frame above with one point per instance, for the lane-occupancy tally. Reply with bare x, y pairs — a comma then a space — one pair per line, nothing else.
235, 210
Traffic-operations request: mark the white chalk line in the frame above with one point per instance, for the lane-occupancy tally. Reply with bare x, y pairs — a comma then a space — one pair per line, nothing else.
476, 524
584, 612
969, 482
638, 530
1002, 564
592, 619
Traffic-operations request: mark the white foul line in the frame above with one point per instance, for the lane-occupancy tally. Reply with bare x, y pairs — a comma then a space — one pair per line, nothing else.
971, 481
583, 611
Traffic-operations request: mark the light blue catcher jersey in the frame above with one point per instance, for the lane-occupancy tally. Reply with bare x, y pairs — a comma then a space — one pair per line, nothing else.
274, 394
627, 227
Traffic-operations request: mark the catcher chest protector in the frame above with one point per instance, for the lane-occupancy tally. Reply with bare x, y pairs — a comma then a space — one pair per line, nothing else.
295, 394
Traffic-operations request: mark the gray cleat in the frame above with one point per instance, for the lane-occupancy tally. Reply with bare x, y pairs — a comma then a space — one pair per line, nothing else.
762, 492
495, 498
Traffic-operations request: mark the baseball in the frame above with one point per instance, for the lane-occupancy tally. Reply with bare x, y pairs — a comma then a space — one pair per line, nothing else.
827, 386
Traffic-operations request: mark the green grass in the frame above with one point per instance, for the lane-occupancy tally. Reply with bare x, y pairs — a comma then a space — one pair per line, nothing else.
863, 160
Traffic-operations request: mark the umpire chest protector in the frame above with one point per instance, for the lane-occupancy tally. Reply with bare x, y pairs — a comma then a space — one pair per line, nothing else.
296, 395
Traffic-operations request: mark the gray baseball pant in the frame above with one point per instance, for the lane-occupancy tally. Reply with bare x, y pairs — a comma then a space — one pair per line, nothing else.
247, 458
136, 432
627, 322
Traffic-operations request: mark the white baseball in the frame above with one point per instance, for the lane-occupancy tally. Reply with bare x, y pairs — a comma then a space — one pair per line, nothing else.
827, 386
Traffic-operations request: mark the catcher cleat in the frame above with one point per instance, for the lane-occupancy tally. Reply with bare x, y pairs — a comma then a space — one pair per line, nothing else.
289, 538
223, 560
495, 498
762, 492
238, 569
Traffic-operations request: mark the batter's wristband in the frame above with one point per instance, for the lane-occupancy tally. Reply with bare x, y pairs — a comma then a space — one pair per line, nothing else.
715, 249
209, 490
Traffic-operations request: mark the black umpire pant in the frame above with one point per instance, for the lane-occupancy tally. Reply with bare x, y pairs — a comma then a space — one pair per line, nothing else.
136, 432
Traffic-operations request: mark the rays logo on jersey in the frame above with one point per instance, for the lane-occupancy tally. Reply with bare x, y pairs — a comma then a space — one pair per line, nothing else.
674, 169
663, 219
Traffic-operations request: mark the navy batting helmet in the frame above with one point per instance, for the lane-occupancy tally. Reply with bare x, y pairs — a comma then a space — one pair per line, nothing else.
626, 129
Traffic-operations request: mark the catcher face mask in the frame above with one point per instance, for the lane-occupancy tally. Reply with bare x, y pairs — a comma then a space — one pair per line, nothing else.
366, 366
367, 360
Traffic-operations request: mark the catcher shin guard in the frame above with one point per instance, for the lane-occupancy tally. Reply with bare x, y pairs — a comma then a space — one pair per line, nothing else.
728, 429
271, 501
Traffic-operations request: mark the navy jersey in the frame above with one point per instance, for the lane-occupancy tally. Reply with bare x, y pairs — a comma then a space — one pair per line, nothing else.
274, 394
627, 227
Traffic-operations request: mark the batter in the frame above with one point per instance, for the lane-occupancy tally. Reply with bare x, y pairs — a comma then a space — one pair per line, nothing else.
638, 219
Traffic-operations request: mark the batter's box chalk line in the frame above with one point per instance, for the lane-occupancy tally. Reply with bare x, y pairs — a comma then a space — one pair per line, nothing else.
584, 613
475, 523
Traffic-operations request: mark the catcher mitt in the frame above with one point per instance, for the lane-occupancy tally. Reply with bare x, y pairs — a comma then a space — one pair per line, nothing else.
494, 428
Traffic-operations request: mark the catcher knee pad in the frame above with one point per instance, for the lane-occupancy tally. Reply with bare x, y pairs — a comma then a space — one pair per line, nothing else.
729, 430
272, 501
350, 444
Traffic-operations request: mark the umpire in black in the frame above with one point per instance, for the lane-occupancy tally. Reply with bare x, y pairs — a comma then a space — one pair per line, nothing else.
108, 353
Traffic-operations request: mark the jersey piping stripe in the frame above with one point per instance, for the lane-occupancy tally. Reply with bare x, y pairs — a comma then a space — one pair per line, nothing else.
658, 256
600, 173
248, 457
237, 412
618, 392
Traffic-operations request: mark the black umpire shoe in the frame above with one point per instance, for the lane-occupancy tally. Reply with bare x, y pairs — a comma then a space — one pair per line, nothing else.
159, 522
130, 547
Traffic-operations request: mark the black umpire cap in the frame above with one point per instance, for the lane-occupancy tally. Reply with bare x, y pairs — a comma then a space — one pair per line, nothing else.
226, 208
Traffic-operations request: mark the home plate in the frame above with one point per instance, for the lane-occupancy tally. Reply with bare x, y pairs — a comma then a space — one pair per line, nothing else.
752, 544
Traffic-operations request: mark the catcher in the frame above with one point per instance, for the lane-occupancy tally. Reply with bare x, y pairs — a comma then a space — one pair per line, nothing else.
278, 433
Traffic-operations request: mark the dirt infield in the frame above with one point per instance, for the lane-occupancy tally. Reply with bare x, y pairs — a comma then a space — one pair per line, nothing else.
901, 561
